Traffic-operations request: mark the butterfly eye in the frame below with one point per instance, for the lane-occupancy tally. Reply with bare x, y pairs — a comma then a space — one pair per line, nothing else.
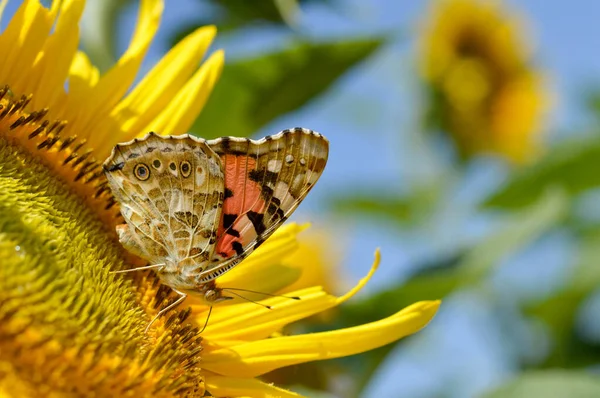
186, 168
210, 295
141, 171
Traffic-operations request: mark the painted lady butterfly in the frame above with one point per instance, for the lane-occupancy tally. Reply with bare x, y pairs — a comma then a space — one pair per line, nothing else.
194, 208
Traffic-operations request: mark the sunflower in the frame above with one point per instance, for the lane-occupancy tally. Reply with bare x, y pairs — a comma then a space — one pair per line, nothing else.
484, 89
70, 327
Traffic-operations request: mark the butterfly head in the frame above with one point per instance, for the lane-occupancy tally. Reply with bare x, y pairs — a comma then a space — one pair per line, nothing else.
186, 283
209, 293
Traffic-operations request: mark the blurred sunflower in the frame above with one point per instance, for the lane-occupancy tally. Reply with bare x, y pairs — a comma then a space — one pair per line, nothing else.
68, 327
483, 88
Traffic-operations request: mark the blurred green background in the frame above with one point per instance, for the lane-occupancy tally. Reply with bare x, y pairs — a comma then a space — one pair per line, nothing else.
465, 142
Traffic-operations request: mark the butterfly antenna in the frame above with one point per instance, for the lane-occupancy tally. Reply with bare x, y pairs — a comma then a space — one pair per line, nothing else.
138, 268
207, 318
247, 299
263, 293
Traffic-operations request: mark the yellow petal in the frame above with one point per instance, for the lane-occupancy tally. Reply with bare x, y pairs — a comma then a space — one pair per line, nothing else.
56, 5
22, 41
220, 386
252, 322
146, 26
115, 83
83, 75
249, 321
162, 83
319, 258
257, 273
268, 278
184, 108
259, 357
50, 72
364, 280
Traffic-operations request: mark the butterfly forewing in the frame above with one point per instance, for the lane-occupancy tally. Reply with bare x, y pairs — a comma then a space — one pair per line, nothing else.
265, 181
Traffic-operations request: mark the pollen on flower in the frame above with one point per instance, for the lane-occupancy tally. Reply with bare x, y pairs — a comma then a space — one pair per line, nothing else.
66, 155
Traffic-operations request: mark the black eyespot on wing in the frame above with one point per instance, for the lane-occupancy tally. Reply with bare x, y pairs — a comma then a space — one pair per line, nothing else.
186, 168
141, 172
156, 163
173, 166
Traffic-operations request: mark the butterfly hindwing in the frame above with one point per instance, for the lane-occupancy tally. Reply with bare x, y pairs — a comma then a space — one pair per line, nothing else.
170, 190
265, 181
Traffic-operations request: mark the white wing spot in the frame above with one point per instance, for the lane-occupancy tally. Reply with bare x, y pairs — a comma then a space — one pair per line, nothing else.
200, 176
274, 165
289, 159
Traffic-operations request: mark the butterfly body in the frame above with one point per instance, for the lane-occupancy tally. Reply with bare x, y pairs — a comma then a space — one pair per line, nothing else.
197, 208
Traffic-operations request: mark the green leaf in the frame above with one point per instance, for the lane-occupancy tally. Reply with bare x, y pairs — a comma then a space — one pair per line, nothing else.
592, 102
572, 166
253, 92
230, 15
387, 206
384, 208
549, 384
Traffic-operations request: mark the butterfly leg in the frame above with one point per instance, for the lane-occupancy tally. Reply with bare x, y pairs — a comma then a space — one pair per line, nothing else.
207, 318
182, 296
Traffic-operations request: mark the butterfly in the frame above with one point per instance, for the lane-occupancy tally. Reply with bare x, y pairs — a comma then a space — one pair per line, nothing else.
195, 208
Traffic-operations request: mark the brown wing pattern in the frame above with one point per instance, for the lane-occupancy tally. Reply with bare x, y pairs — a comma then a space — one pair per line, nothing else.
265, 181
170, 190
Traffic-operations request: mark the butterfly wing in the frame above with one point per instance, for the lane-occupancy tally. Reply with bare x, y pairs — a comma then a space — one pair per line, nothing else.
170, 190
265, 181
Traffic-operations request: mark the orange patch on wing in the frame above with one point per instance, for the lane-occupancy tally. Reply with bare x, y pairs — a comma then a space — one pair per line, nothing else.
246, 197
